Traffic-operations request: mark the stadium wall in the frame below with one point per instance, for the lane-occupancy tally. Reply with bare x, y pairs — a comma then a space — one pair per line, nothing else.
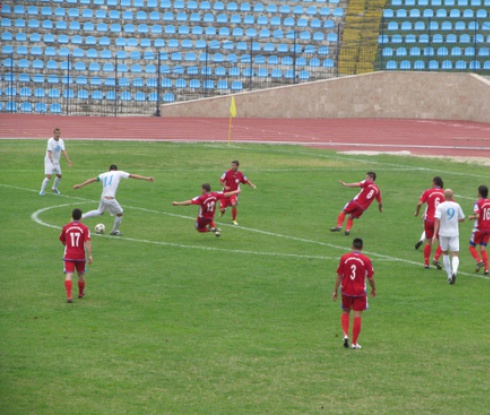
419, 95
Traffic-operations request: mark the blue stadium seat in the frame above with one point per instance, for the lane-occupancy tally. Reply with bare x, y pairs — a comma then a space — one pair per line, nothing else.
237, 86
40, 107
168, 97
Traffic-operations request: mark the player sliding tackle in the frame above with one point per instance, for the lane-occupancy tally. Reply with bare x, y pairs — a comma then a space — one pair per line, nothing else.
207, 208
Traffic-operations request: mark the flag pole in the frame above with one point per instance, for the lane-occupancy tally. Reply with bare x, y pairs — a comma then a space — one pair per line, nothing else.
232, 115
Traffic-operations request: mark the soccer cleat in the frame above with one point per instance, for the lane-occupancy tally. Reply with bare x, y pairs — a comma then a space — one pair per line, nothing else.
356, 346
116, 233
346, 342
69, 301
81, 295
56, 191
347, 233
221, 214
485, 272
235, 223
436, 263
479, 266
335, 229
418, 244
41, 193
453, 278
216, 231
426, 266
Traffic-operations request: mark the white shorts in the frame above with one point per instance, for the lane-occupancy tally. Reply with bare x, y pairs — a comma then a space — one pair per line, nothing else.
50, 168
110, 205
449, 243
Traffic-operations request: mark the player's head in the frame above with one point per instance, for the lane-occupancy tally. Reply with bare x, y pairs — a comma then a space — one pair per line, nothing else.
112, 167
438, 182
483, 191
357, 244
76, 214
371, 175
206, 187
56, 133
234, 165
448, 194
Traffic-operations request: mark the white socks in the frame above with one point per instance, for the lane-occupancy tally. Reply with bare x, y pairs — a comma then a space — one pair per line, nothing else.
45, 183
56, 182
117, 223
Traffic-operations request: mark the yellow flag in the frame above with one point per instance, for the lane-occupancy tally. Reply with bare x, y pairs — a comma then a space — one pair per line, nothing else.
232, 107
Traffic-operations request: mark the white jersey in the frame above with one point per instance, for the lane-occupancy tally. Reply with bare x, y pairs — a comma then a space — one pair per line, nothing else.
55, 147
110, 182
449, 214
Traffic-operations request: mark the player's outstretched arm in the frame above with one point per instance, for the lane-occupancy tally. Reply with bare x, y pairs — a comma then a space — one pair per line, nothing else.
380, 206
251, 185
92, 180
336, 287
417, 209
234, 192
139, 177
183, 203
356, 184
88, 248
373, 287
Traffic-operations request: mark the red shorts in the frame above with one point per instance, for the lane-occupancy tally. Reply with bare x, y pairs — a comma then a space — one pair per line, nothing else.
202, 224
354, 303
353, 209
70, 266
429, 229
480, 238
229, 201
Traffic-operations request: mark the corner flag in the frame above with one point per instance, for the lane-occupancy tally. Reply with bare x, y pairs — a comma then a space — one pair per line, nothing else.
232, 108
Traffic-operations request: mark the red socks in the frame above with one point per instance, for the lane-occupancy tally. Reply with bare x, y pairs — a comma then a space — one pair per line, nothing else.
356, 329
81, 287
427, 251
340, 219
438, 253
233, 213
68, 286
350, 221
474, 253
345, 323
485, 259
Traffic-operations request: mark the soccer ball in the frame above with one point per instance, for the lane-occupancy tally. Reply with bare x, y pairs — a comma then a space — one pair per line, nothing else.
100, 228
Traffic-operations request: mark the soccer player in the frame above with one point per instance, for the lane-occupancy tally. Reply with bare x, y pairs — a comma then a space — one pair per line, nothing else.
207, 207
110, 182
75, 236
55, 148
481, 230
231, 180
352, 272
446, 225
356, 207
431, 197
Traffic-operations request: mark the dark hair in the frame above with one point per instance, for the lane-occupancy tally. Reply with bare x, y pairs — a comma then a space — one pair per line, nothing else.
372, 174
206, 186
357, 244
113, 167
483, 190
76, 214
56, 129
235, 162
438, 182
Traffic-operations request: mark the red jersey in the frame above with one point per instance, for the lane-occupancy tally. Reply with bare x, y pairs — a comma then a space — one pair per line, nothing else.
232, 179
482, 209
369, 192
432, 197
207, 203
73, 236
354, 267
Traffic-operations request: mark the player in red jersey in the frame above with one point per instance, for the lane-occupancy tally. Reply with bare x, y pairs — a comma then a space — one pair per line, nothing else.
352, 272
231, 180
431, 197
356, 207
207, 208
75, 236
481, 230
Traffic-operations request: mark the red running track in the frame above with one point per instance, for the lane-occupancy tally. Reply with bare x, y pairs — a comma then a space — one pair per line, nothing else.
422, 137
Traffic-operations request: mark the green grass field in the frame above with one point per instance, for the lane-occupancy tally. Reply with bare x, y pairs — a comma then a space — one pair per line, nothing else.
176, 322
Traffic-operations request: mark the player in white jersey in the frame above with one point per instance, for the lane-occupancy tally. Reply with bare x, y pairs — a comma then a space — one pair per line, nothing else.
110, 181
447, 217
55, 148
